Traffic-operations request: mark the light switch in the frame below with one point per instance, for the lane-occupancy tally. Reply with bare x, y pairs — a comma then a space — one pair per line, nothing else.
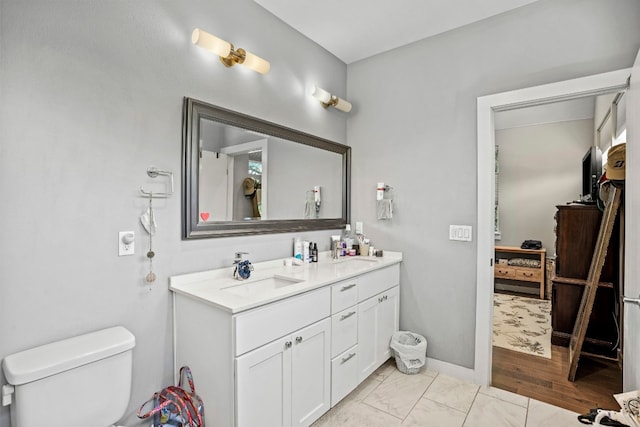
460, 232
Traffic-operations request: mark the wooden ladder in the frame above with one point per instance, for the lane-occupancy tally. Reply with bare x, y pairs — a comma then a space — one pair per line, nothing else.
595, 270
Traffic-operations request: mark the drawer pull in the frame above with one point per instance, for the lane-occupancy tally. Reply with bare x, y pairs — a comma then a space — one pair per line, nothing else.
346, 288
298, 340
525, 274
346, 316
346, 359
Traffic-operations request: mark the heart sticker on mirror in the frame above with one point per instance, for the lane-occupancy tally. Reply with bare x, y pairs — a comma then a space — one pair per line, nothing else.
204, 216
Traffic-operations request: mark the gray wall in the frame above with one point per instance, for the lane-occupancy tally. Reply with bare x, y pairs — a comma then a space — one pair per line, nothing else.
540, 167
294, 169
91, 96
414, 127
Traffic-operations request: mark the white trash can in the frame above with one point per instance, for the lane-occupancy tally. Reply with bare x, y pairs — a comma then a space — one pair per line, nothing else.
409, 350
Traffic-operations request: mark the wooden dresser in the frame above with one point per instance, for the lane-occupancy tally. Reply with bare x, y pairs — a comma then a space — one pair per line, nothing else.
577, 229
518, 274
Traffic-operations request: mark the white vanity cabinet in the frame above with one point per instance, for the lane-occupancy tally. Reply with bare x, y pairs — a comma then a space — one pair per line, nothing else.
285, 360
361, 333
286, 382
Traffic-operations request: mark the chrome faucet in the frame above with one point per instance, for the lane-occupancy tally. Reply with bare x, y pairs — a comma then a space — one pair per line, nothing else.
243, 268
238, 257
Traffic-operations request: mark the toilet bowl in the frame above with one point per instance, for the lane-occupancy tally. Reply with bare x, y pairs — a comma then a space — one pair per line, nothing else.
77, 382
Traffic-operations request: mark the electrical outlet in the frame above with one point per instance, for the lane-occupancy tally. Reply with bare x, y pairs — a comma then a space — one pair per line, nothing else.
460, 232
359, 227
126, 243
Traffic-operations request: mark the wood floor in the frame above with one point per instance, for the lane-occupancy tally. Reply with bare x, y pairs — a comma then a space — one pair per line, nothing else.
546, 380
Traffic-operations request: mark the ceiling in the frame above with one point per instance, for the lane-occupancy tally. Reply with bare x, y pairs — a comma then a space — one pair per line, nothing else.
356, 29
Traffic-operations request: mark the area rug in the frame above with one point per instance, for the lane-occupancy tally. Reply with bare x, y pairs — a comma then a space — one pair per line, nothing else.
522, 324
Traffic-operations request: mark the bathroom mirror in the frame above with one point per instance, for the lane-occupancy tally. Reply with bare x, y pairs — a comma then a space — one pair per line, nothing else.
243, 175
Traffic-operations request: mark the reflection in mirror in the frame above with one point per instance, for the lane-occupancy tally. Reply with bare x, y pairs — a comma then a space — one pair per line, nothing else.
243, 175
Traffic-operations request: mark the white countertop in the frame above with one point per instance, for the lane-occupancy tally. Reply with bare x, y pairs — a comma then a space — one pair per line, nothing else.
272, 280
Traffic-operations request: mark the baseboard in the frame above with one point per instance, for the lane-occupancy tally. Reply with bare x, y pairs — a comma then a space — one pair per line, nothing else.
450, 369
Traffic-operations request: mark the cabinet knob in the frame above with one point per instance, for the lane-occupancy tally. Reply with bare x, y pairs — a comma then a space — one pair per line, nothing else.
287, 344
298, 340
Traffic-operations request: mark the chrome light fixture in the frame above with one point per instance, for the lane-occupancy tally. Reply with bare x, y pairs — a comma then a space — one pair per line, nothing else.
328, 100
228, 55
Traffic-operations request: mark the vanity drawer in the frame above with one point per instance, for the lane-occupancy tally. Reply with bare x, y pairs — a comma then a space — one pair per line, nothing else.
265, 324
344, 375
344, 294
377, 281
344, 330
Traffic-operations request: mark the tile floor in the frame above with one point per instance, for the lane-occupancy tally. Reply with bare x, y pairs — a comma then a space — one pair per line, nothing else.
429, 399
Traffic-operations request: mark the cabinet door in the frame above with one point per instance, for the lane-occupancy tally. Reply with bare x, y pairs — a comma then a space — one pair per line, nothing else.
388, 319
310, 373
263, 386
368, 312
378, 319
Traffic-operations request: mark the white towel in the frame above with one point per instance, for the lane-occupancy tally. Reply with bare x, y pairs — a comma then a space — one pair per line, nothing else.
385, 209
310, 210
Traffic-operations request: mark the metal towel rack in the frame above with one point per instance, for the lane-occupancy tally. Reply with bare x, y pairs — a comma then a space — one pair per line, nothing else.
153, 172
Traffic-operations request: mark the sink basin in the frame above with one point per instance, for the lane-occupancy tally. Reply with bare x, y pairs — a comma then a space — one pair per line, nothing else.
353, 265
260, 286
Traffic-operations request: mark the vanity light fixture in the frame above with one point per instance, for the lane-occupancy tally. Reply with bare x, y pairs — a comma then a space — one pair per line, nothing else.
227, 53
328, 100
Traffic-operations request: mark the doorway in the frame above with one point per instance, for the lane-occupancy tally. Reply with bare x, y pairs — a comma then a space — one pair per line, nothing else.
487, 107
538, 177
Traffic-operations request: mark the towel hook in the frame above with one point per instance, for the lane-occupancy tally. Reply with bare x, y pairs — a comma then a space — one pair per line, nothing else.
153, 172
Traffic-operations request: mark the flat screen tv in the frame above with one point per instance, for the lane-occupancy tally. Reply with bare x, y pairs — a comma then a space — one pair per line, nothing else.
591, 172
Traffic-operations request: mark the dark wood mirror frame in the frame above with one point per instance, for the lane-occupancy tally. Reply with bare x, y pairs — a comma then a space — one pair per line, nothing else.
193, 112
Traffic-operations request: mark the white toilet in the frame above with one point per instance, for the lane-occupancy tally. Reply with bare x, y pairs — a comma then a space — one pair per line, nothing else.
78, 382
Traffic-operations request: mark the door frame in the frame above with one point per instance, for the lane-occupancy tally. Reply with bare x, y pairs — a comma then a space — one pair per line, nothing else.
487, 107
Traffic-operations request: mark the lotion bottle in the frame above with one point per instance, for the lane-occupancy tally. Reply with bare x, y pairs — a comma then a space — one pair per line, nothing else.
305, 251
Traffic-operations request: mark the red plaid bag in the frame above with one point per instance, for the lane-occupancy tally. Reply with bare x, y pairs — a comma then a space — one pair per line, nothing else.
175, 406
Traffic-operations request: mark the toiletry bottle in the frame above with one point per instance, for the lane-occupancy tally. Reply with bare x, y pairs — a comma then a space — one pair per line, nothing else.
314, 253
297, 248
305, 251
348, 238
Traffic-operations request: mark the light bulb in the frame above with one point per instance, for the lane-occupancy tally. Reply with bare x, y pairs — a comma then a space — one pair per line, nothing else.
343, 105
210, 42
321, 94
256, 63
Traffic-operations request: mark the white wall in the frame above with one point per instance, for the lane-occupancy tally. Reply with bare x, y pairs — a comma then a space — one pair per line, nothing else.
540, 167
414, 128
91, 95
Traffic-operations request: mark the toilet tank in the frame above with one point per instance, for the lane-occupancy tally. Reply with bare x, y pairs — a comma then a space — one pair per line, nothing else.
80, 381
